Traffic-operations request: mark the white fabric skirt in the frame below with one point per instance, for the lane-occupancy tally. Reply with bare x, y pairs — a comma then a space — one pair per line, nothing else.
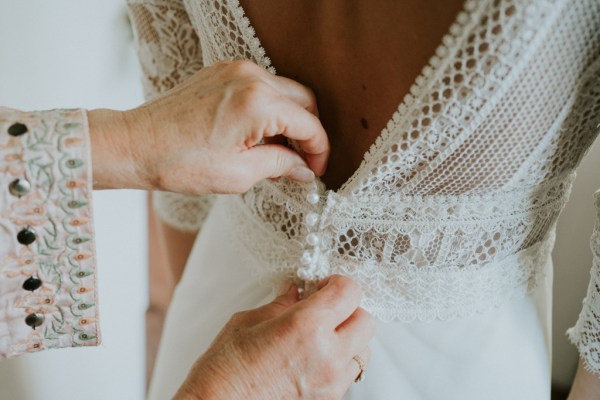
501, 354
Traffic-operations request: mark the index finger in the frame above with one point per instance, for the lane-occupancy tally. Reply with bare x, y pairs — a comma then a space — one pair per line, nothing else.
316, 147
295, 91
296, 123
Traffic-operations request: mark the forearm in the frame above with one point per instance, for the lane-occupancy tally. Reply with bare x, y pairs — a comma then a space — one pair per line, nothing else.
586, 385
211, 379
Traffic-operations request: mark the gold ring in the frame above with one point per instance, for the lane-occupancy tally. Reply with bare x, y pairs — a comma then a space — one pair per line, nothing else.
361, 365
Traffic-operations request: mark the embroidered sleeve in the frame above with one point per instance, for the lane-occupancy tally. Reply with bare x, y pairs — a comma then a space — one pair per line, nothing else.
47, 255
169, 52
586, 332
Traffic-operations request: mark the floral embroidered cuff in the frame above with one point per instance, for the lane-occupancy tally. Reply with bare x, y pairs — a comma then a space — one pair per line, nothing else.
47, 254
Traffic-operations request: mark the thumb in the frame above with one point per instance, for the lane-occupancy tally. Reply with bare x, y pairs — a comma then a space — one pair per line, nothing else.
286, 298
274, 161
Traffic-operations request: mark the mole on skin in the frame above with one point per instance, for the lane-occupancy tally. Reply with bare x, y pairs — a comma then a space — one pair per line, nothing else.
364, 123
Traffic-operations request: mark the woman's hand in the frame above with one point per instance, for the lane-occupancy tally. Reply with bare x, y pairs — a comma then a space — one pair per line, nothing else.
288, 349
203, 135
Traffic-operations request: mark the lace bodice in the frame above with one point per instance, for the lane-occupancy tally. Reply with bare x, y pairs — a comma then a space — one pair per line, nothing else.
453, 209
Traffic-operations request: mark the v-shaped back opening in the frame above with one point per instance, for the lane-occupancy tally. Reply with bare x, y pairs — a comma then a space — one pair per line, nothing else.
429, 73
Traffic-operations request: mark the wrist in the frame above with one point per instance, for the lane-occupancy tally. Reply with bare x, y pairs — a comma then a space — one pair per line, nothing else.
205, 383
115, 164
221, 376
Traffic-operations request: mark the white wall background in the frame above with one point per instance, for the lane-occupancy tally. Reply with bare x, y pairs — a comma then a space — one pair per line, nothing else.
73, 53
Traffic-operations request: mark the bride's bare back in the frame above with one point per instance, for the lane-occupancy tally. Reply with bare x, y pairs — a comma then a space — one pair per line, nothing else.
359, 57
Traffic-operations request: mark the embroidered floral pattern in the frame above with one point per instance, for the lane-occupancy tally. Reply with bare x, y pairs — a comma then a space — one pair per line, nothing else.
53, 156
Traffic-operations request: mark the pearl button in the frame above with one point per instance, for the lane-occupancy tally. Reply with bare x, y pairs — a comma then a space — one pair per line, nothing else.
313, 198
311, 219
307, 258
312, 239
19, 187
303, 274
34, 320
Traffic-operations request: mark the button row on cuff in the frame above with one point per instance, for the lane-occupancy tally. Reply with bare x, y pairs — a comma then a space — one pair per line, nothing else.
20, 187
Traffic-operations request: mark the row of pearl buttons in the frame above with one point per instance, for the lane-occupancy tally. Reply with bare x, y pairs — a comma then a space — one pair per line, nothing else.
310, 258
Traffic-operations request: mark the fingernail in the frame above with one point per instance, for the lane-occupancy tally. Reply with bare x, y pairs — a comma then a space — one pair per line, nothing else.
302, 174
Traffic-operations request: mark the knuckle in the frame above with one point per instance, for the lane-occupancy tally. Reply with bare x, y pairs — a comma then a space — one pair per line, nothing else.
222, 64
346, 286
256, 87
253, 94
299, 318
312, 97
308, 323
238, 317
244, 67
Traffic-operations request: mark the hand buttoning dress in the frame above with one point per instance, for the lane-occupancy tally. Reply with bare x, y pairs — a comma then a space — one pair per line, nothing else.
447, 225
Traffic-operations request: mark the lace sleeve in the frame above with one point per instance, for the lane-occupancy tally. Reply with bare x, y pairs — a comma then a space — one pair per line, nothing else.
169, 52
586, 332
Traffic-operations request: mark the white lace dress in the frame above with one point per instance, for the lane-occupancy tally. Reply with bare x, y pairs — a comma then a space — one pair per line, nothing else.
448, 223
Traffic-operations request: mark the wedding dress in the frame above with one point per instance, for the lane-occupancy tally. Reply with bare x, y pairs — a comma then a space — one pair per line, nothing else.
448, 223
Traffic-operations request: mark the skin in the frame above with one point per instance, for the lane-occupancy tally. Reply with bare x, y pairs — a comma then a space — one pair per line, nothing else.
288, 349
202, 137
199, 138
383, 45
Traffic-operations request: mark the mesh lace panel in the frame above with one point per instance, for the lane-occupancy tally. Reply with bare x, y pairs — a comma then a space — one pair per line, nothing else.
453, 210
508, 76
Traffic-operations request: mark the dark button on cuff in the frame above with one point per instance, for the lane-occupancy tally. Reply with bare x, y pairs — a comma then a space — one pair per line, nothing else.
26, 236
34, 320
32, 284
17, 129
19, 187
